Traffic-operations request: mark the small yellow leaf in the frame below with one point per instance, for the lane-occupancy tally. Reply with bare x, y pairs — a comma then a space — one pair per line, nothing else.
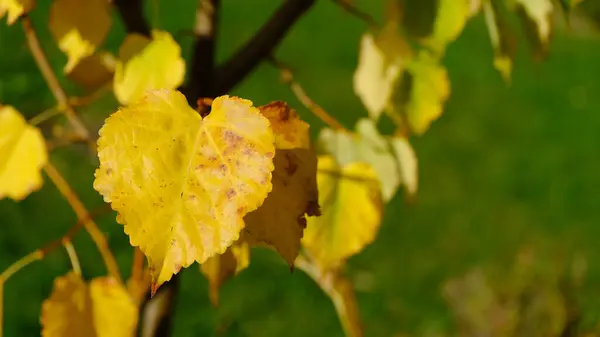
280, 221
350, 198
15, 9
93, 71
146, 64
22, 155
430, 88
380, 63
102, 309
79, 27
290, 131
501, 37
181, 184
220, 268
451, 17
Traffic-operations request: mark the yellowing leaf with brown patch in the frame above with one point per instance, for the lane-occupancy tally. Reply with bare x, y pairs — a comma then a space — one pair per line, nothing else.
501, 36
280, 221
350, 199
101, 309
220, 268
15, 9
537, 18
147, 64
79, 27
450, 19
182, 183
22, 155
290, 131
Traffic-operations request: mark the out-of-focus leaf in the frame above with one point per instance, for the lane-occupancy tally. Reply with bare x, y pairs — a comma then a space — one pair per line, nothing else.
422, 101
380, 62
181, 183
93, 71
219, 268
101, 309
350, 198
79, 27
15, 9
279, 223
146, 64
22, 155
537, 19
502, 38
392, 158
450, 19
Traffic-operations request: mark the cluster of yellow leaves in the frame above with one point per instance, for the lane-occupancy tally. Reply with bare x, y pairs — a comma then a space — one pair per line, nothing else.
22, 155
185, 186
102, 308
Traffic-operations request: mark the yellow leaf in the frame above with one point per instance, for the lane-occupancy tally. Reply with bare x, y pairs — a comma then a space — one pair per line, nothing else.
501, 37
290, 131
392, 158
350, 198
429, 90
537, 21
181, 184
451, 17
220, 268
79, 27
15, 9
22, 155
102, 309
93, 71
381, 60
280, 221
146, 64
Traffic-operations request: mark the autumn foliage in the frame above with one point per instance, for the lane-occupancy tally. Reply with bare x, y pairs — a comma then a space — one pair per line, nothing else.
207, 183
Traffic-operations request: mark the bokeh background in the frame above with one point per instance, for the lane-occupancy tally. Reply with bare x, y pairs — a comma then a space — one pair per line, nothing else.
509, 178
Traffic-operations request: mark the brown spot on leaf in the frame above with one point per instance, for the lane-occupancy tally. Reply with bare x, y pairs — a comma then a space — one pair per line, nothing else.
230, 193
313, 208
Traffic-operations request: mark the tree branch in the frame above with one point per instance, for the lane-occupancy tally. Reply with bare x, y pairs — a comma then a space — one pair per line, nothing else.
202, 71
261, 45
132, 14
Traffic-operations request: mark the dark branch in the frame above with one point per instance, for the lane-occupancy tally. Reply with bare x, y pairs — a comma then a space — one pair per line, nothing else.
261, 45
202, 72
132, 14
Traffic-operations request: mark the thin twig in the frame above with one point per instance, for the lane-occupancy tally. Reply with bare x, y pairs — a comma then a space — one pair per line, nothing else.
84, 216
288, 78
261, 45
349, 7
132, 14
50, 77
72, 256
22, 262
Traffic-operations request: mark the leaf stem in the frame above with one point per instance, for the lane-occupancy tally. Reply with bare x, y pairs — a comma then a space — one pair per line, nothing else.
288, 78
84, 216
340, 291
72, 256
51, 79
19, 264
349, 7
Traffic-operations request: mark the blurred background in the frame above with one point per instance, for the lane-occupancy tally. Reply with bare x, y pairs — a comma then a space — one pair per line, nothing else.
505, 224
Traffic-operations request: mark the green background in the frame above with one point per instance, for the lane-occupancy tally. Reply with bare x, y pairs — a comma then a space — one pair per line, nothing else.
505, 166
